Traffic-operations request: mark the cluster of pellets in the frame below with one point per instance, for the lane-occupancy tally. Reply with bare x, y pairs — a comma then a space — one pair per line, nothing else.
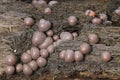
84, 49
98, 19
40, 3
102, 18
45, 41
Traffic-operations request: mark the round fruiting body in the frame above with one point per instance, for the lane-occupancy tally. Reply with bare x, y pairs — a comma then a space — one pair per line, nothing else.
9, 70
25, 58
49, 33
78, 56
44, 53
106, 56
66, 36
35, 53
72, 20
41, 62
33, 65
55, 37
44, 25
27, 70
62, 54
103, 16
85, 48
69, 56
93, 38
38, 38
28, 21
19, 68
47, 11
90, 13
96, 21
11, 59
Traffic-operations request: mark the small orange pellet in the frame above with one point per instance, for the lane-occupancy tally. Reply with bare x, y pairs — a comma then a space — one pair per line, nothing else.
90, 13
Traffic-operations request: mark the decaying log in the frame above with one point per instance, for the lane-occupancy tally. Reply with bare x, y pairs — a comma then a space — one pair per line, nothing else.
18, 38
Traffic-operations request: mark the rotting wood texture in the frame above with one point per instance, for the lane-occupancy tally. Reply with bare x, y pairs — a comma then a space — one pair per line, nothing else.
11, 25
